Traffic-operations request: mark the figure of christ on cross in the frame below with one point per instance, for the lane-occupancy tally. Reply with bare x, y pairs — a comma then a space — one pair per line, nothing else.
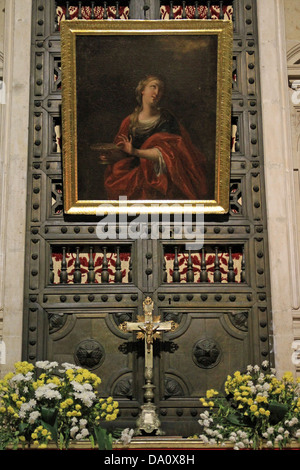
148, 328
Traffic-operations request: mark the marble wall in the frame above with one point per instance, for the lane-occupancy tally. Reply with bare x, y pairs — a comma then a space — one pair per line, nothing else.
292, 34
13, 174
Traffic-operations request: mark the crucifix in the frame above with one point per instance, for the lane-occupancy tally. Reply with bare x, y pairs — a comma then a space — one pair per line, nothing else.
148, 328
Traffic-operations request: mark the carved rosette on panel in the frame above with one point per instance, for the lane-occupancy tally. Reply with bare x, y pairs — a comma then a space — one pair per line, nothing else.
124, 388
239, 320
89, 354
206, 353
56, 321
172, 388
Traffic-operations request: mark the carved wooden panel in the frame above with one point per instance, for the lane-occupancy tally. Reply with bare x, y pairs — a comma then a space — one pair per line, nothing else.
78, 288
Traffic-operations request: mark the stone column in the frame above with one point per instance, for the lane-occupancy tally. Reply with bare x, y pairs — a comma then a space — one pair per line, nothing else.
281, 213
13, 174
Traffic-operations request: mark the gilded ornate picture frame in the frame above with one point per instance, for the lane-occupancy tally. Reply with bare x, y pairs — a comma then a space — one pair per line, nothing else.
146, 115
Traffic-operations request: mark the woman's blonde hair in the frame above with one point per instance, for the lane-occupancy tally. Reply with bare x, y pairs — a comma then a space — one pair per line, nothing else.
138, 92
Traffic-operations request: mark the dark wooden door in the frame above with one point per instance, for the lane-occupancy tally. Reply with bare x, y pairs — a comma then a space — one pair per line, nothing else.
78, 290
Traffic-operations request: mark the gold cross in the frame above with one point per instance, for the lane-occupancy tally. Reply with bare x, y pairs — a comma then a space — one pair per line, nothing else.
148, 327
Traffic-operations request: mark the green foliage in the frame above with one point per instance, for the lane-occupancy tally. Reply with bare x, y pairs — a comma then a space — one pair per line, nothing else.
257, 407
58, 405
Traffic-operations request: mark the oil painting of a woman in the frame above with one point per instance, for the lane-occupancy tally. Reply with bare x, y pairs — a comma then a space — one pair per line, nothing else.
154, 157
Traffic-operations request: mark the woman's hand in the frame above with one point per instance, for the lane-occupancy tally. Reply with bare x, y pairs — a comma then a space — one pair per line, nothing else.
125, 144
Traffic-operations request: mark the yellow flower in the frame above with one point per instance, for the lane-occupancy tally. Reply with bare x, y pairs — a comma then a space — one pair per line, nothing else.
55, 380
70, 373
288, 377
8, 376
23, 367
253, 408
115, 404
44, 432
34, 435
109, 400
77, 407
42, 446
262, 411
22, 438
211, 393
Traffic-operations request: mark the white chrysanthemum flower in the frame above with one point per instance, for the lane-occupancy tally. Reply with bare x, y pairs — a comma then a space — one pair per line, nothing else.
74, 430
21, 378
46, 365
82, 423
33, 416
126, 435
47, 391
84, 433
67, 366
266, 386
86, 397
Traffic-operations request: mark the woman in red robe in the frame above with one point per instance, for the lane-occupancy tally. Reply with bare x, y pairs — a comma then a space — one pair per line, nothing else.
160, 161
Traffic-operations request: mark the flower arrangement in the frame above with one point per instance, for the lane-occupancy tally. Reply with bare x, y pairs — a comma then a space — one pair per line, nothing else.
58, 404
257, 408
